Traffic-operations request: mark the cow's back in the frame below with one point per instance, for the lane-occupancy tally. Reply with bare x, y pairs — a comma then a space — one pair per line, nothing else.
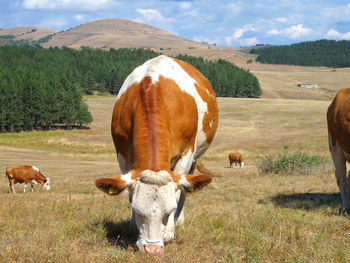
22, 173
338, 119
181, 95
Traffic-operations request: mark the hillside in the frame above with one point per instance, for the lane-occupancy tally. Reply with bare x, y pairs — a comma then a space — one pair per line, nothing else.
328, 53
27, 33
119, 33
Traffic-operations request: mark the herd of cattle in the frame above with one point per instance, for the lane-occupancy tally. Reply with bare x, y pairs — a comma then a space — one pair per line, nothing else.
158, 141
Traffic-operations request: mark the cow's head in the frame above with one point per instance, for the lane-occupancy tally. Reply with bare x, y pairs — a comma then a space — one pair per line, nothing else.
154, 197
46, 184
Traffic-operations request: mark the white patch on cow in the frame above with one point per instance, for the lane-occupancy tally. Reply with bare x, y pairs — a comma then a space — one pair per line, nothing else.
242, 164
211, 123
10, 175
127, 178
184, 164
46, 185
169, 68
183, 182
33, 182
35, 168
153, 200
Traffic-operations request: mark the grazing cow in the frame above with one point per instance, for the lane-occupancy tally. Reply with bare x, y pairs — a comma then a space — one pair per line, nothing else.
338, 119
26, 174
236, 158
164, 118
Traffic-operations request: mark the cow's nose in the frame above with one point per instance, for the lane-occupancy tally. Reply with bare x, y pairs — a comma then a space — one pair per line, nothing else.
152, 249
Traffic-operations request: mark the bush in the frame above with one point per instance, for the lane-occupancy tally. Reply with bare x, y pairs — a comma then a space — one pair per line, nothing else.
294, 163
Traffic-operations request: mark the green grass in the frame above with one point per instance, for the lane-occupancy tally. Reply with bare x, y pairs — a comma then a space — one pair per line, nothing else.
294, 163
243, 216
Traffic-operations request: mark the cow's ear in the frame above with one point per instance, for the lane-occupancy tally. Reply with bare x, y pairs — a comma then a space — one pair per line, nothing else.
114, 185
192, 183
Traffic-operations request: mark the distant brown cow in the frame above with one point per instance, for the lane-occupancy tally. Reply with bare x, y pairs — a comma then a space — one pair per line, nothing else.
26, 174
236, 158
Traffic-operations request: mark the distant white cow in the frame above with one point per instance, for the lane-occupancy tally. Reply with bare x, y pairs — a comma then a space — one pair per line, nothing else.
26, 174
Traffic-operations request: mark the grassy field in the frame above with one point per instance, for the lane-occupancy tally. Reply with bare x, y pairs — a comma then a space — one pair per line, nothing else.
243, 216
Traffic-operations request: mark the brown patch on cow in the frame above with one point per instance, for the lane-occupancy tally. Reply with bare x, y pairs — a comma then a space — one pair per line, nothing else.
198, 182
106, 184
338, 119
151, 126
25, 173
206, 92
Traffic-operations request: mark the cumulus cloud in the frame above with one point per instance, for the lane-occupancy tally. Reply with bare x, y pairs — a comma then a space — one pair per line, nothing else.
57, 23
249, 41
151, 14
185, 5
67, 4
240, 31
79, 17
334, 34
237, 36
297, 31
274, 32
282, 19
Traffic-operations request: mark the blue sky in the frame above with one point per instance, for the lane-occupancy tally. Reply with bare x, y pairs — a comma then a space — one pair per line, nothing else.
228, 23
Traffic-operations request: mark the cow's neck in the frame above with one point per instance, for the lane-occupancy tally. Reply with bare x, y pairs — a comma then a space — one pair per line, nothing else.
151, 136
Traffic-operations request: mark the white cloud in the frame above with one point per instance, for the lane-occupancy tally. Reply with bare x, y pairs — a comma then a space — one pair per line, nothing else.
282, 19
151, 14
297, 31
79, 17
274, 32
240, 31
249, 41
56, 23
332, 33
92, 5
185, 5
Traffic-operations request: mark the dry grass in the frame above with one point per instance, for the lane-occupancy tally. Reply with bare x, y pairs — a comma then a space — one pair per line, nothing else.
261, 218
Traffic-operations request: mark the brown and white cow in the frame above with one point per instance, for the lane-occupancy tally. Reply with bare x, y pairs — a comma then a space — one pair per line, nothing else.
164, 118
236, 158
338, 119
26, 174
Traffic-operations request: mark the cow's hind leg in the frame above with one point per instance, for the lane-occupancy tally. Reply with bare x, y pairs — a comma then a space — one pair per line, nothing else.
340, 174
11, 183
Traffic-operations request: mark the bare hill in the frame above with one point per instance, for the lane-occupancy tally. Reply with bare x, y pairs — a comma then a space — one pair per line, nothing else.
27, 33
119, 33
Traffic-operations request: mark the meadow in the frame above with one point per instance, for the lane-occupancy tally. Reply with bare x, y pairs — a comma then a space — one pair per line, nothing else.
242, 216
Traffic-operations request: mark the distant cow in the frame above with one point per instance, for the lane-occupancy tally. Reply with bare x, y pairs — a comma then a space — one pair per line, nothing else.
164, 119
236, 158
26, 174
338, 119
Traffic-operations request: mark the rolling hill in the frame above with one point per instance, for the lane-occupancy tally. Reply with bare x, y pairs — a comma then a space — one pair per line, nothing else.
27, 33
119, 33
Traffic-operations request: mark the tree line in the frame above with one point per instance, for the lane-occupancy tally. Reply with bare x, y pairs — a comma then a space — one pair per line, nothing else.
41, 88
329, 53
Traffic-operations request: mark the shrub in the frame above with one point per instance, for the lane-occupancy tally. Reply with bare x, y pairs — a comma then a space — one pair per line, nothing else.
294, 163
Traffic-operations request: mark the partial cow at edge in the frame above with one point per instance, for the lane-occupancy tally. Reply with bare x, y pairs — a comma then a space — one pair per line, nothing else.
26, 174
164, 119
338, 119
236, 158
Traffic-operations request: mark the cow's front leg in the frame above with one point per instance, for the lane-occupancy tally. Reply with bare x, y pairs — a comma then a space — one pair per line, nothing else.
180, 214
169, 233
12, 186
25, 187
